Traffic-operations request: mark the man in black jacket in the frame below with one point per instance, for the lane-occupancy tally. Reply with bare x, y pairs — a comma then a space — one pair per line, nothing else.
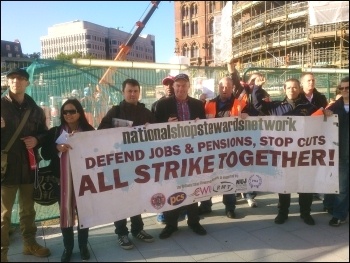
132, 110
316, 98
294, 104
168, 83
19, 175
311, 93
180, 107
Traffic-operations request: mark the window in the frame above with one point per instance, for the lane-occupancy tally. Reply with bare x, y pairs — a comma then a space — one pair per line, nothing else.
8, 48
88, 37
185, 51
194, 50
193, 10
211, 6
211, 26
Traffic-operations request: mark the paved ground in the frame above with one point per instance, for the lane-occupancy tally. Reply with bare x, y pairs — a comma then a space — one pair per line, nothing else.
252, 236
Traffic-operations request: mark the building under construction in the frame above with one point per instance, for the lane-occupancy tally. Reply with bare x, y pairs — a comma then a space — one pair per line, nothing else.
266, 34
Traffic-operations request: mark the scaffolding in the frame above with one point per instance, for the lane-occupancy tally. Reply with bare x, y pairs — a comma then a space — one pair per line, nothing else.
278, 34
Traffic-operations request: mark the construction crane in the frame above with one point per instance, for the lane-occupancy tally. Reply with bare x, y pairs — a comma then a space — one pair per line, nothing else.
125, 48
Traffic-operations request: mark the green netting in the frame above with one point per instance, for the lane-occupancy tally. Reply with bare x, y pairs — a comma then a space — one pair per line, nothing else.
53, 81
326, 83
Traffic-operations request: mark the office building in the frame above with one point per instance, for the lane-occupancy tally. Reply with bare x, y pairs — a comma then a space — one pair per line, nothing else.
91, 39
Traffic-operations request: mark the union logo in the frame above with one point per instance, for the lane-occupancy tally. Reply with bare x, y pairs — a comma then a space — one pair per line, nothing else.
255, 181
158, 200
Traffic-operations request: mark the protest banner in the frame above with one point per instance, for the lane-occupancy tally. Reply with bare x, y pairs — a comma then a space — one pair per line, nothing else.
125, 171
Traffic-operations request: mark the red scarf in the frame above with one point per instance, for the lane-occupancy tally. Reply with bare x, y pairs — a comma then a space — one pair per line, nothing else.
68, 203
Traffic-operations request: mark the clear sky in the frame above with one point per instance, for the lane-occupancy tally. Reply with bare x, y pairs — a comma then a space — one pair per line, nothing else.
28, 21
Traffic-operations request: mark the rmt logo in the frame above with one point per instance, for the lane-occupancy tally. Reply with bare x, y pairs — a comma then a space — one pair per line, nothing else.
223, 187
176, 199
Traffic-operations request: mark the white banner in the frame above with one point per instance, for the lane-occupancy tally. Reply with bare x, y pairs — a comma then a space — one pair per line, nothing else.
328, 12
125, 171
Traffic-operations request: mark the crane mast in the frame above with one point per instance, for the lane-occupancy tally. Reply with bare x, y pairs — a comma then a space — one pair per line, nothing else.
125, 48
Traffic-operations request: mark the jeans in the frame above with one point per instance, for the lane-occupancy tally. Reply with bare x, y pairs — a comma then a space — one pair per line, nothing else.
26, 213
339, 203
136, 226
229, 200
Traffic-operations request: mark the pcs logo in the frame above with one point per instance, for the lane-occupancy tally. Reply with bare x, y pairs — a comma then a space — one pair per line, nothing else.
176, 199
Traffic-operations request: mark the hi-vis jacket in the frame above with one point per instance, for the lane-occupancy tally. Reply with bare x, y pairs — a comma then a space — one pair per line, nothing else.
232, 107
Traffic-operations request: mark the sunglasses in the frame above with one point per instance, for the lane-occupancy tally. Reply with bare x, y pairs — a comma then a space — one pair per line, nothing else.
342, 88
70, 112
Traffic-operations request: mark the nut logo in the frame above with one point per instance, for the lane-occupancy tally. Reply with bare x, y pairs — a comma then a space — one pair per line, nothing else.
158, 201
176, 199
255, 181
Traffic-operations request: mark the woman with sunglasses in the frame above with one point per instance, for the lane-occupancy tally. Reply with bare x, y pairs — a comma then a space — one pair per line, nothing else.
73, 120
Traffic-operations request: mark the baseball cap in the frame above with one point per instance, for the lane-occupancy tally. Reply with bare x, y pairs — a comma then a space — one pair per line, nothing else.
182, 76
167, 80
19, 72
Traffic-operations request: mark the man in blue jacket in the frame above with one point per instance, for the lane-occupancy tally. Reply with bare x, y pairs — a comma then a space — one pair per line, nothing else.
294, 104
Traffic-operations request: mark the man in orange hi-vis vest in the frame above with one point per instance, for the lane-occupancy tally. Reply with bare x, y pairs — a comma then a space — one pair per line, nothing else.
226, 104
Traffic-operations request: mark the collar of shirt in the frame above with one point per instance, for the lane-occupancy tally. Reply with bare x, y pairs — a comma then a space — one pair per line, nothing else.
181, 101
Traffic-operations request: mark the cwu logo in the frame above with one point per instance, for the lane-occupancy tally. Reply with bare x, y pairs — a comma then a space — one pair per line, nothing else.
223, 187
201, 191
255, 181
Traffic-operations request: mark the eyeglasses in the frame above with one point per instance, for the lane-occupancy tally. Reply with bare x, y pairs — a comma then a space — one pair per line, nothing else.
342, 88
70, 112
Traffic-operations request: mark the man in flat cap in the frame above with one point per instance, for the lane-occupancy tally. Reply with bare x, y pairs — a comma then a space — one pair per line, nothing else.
19, 175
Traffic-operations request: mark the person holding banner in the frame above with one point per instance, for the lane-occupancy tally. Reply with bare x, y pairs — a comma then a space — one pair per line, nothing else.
224, 105
294, 104
16, 105
315, 97
249, 109
180, 107
338, 205
132, 110
73, 119
168, 84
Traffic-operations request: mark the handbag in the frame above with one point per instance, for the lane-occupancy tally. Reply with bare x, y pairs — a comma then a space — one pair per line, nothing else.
45, 187
9, 145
